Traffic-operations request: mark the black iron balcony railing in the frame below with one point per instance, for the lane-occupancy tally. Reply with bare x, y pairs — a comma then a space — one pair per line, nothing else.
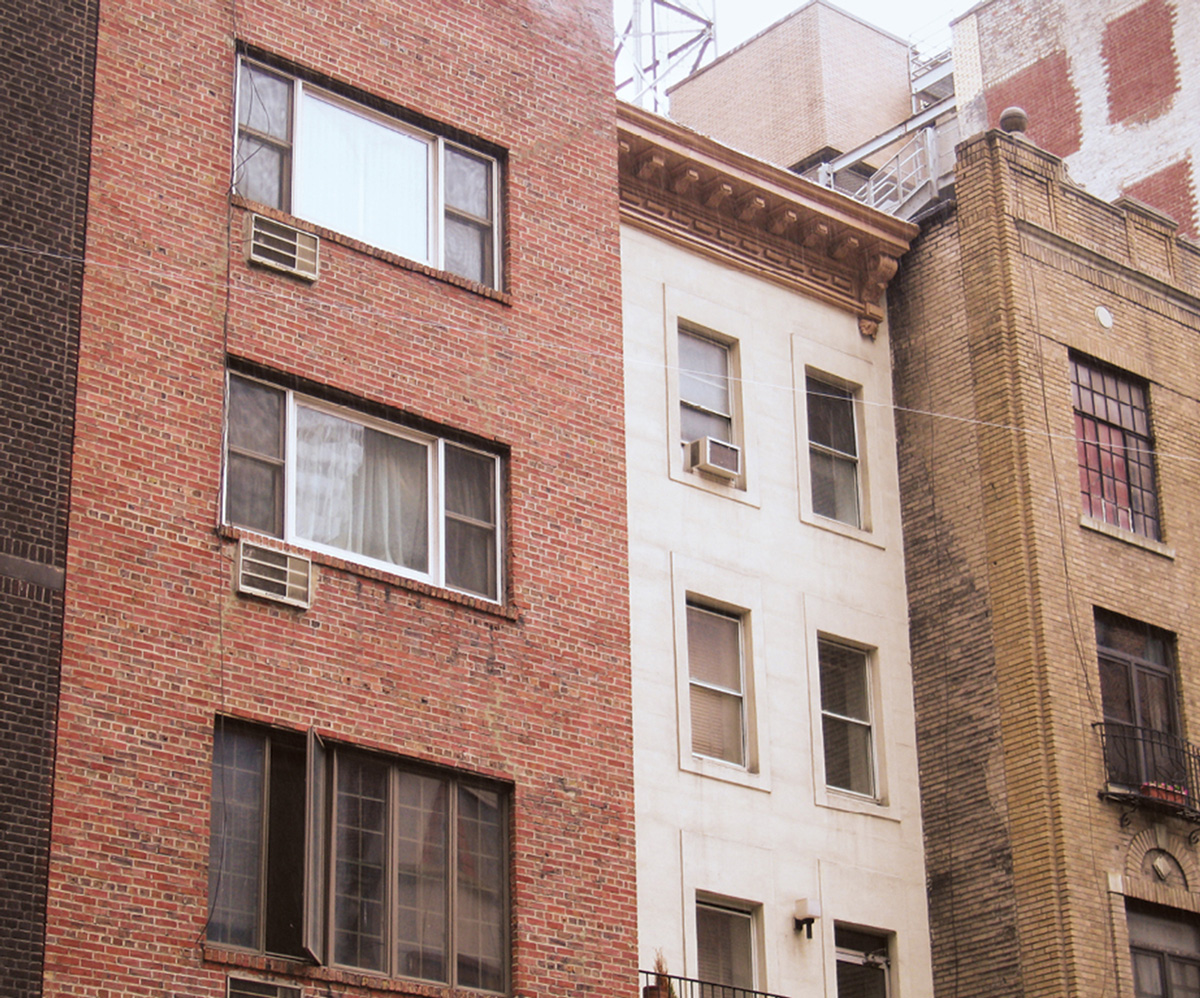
1151, 767
655, 985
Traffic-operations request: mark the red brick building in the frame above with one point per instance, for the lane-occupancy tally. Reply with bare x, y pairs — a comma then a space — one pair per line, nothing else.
345, 697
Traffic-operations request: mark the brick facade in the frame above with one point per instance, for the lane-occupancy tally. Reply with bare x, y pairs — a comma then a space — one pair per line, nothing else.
45, 109
1029, 869
530, 692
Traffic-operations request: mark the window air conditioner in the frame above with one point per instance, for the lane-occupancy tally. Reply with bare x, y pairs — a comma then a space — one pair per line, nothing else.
714, 457
281, 247
274, 575
244, 987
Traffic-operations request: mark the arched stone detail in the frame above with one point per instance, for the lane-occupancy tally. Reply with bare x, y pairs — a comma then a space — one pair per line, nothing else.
1152, 842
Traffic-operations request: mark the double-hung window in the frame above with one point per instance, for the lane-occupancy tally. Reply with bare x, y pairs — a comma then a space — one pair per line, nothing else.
346, 167
356, 860
1115, 447
833, 451
846, 718
340, 482
705, 392
716, 684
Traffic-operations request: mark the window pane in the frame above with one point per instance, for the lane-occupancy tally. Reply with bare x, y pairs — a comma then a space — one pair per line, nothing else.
261, 172
235, 842
255, 418
284, 929
834, 487
363, 178
724, 943
843, 680
421, 878
856, 980
470, 484
361, 490
694, 424
471, 558
848, 756
254, 495
360, 850
468, 250
468, 183
717, 724
831, 417
704, 373
265, 101
714, 648
1115, 691
480, 916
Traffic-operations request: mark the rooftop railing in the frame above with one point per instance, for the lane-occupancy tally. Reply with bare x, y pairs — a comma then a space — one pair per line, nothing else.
1150, 767
655, 985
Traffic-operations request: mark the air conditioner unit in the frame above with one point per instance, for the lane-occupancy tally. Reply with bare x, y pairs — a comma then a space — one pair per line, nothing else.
714, 457
281, 247
274, 575
245, 987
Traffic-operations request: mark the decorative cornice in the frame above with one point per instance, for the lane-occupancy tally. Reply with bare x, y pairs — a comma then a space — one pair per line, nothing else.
693, 191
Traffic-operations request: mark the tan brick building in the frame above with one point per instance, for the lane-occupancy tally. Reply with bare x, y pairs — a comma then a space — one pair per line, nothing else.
1047, 376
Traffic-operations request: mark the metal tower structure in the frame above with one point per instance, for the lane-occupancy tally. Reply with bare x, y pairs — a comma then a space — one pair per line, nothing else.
662, 42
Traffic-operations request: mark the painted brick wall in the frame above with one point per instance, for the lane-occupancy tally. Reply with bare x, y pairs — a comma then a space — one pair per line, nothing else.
536, 692
1004, 577
45, 106
1139, 57
1171, 190
1046, 92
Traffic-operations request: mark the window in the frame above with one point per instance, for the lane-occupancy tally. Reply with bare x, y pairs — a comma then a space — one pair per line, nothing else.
1137, 688
716, 684
365, 489
400, 869
1116, 452
725, 950
705, 396
846, 718
345, 167
862, 963
833, 451
1165, 947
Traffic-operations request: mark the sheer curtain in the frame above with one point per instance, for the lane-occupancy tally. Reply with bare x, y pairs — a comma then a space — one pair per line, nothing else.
361, 490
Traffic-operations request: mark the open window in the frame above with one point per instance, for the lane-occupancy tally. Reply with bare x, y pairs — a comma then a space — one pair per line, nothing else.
401, 870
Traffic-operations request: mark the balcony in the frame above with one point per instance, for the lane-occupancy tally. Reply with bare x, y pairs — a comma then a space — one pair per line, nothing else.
1150, 769
655, 985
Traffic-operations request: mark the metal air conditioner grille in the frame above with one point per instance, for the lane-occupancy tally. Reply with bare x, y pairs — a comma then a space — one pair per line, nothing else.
281, 247
242, 987
274, 575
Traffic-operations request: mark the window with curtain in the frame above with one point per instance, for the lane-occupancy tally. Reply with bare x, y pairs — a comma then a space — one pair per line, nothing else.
724, 950
346, 167
327, 478
716, 684
407, 877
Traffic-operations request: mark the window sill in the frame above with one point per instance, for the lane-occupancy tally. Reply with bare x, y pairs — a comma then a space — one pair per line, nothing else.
846, 801
727, 772
840, 528
329, 235
506, 610
297, 969
1127, 536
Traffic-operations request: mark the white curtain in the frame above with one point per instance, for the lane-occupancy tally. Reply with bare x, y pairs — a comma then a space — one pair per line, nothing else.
361, 490
362, 178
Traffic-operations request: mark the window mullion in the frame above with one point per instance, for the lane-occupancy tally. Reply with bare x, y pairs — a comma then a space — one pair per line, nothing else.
437, 509
451, 974
264, 831
289, 467
437, 203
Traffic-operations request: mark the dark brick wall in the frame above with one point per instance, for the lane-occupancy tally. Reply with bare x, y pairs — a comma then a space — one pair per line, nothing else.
46, 71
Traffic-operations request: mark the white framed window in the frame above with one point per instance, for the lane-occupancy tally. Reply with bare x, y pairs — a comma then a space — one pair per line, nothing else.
358, 860
705, 389
725, 947
346, 167
863, 963
716, 683
833, 451
337, 481
846, 726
